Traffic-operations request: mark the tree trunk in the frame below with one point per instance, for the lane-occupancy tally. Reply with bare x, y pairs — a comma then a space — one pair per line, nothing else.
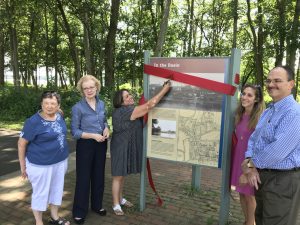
214, 29
28, 67
185, 38
260, 43
109, 57
34, 76
281, 32
55, 55
2, 53
100, 61
134, 70
72, 44
195, 32
235, 20
153, 20
10, 8
163, 29
87, 45
293, 42
257, 42
63, 82
191, 28
201, 27
47, 46
14, 56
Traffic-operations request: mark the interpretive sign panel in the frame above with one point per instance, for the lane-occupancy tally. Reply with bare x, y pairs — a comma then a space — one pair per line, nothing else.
185, 126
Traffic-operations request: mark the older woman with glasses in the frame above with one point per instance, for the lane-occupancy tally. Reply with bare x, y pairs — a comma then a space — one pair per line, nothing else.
250, 107
43, 155
89, 127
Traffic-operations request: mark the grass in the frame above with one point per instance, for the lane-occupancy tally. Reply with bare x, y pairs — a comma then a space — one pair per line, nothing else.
18, 125
211, 220
190, 191
11, 125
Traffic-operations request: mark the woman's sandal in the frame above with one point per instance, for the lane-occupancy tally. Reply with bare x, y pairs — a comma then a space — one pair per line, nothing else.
126, 203
117, 210
59, 221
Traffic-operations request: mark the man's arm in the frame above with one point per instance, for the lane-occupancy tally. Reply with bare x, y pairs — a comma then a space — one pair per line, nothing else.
251, 172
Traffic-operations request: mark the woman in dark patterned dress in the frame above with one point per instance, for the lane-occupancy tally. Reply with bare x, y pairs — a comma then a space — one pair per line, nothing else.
127, 141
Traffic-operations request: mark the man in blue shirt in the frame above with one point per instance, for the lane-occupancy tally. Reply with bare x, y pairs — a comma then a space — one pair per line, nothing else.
272, 161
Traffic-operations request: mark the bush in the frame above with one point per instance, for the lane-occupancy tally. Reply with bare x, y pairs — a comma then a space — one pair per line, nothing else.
16, 105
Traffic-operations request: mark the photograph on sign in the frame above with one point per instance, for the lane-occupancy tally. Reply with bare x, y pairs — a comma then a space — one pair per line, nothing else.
186, 96
164, 128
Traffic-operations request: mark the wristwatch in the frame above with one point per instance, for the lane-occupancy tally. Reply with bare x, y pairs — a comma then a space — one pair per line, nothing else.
250, 164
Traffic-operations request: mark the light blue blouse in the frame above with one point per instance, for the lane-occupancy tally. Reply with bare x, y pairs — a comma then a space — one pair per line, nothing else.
85, 119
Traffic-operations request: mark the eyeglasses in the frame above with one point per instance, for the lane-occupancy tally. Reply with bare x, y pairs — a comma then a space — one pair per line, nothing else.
275, 81
88, 88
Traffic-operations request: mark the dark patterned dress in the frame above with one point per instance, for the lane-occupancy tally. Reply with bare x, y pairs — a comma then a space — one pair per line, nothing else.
126, 146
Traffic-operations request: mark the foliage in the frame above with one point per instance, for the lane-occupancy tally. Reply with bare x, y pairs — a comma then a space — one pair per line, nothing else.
18, 105
202, 29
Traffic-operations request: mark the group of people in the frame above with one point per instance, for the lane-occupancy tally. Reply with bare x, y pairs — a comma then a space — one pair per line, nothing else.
266, 155
265, 168
43, 150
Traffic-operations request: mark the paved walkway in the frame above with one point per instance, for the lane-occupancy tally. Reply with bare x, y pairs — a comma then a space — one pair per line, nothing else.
182, 205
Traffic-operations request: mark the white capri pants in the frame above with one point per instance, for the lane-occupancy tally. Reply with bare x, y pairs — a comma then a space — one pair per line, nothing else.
47, 183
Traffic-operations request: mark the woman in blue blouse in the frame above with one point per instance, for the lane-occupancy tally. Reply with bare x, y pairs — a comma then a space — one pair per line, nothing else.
89, 127
43, 155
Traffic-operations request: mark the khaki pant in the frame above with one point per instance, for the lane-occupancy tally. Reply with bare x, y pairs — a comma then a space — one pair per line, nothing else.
275, 197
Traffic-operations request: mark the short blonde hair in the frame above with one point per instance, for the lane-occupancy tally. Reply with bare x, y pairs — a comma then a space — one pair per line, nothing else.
87, 78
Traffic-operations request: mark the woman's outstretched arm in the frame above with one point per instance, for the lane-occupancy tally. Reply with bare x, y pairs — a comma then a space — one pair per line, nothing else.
141, 110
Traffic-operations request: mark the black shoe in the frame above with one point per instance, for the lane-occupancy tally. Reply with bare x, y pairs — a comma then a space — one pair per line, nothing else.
101, 212
79, 221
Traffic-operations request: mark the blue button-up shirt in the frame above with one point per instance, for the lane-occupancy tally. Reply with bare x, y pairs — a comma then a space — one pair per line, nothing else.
85, 119
275, 143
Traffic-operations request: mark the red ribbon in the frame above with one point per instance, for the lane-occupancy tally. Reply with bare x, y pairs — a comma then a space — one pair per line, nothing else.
150, 179
237, 78
191, 80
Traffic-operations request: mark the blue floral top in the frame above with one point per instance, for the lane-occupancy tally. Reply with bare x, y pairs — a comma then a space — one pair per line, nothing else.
47, 140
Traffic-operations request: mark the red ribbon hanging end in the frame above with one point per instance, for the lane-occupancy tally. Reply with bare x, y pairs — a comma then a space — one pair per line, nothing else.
237, 78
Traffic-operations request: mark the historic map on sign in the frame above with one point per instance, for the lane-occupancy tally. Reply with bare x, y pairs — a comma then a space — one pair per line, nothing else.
185, 126
194, 140
199, 137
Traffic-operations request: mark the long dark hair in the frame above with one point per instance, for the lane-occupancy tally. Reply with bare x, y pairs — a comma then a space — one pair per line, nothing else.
258, 108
